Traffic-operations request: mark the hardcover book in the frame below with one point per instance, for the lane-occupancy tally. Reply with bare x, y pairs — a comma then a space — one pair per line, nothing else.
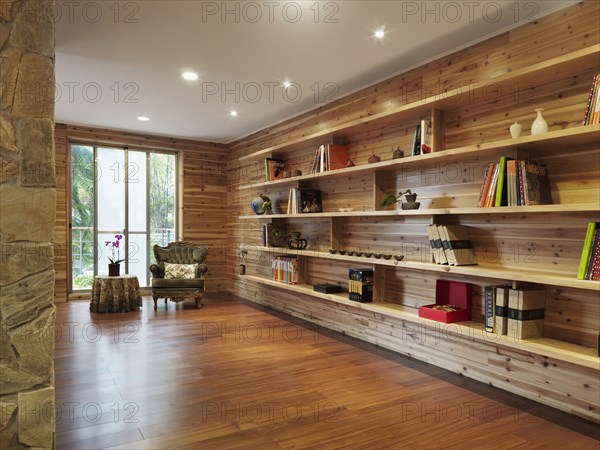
436, 245
457, 245
426, 138
360, 285
526, 313
501, 311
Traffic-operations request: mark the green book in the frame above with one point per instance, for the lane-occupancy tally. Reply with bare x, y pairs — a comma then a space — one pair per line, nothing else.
587, 248
501, 186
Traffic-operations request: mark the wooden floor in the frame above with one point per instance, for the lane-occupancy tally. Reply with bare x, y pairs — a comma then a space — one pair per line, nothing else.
235, 375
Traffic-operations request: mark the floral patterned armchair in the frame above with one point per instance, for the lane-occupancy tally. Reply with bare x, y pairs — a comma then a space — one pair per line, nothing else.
179, 272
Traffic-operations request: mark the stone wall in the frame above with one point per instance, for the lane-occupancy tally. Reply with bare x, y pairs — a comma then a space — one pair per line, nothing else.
27, 212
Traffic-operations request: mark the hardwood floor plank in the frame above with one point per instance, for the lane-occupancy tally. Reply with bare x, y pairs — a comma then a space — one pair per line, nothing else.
236, 375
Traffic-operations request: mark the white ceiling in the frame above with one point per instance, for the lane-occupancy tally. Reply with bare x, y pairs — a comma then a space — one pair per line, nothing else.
115, 63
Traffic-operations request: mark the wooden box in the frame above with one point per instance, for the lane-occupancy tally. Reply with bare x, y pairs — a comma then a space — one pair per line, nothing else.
449, 293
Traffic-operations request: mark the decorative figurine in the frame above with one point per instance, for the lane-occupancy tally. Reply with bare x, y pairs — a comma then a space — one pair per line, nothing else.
539, 125
410, 203
350, 163
515, 130
374, 159
398, 153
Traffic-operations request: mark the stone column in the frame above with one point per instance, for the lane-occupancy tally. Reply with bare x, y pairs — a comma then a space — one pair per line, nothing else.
27, 214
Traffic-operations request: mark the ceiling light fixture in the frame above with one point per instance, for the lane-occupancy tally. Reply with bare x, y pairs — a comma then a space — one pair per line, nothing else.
233, 113
379, 34
287, 84
190, 76
143, 118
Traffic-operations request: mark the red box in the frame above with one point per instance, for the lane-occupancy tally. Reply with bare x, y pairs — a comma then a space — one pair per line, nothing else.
449, 293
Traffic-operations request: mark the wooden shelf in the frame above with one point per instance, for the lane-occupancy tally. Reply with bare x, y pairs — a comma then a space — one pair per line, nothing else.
551, 141
554, 68
479, 270
583, 207
551, 348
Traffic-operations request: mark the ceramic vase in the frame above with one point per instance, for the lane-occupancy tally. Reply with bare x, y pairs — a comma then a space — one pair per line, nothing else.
114, 270
515, 130
539, 125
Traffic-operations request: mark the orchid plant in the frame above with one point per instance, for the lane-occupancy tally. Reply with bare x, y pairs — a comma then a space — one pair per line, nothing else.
114, 245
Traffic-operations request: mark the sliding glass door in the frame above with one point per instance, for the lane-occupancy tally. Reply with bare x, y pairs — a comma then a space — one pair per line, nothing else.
124, 192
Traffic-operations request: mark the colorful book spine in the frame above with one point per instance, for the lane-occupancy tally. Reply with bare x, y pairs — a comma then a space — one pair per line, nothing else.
501, 186
593, 251
587, 248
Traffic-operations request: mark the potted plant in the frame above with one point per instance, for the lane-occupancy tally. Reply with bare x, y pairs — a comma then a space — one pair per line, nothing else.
242, 253
410, 203
114, 268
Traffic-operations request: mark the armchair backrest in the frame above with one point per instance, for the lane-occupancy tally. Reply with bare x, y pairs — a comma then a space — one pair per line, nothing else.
180, 252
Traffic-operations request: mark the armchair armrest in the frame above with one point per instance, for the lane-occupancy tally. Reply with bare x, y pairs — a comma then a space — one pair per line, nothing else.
201, 270
157, 271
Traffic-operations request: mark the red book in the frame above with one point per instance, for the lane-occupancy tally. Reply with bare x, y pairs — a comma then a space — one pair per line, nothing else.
487, 178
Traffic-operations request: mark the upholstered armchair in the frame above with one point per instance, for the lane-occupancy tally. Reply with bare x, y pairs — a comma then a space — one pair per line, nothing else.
179, 272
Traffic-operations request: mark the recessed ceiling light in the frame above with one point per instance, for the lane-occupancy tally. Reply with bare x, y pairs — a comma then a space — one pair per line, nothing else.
191, 76
143, 118
379, 34
233, 113
287, 84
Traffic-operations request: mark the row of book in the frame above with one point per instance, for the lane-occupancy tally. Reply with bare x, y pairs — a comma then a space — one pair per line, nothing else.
589, 265
422, 139
285, 269
451, 244
360, 285
273, 169
592, 109
511, 182
304, 201
329, 157
517, 313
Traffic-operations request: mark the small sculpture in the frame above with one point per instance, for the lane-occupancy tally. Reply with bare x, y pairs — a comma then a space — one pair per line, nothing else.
350, 163
398, 153
374, 159
295, 242
410, 203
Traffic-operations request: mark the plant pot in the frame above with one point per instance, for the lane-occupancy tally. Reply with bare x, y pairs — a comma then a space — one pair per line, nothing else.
114, 270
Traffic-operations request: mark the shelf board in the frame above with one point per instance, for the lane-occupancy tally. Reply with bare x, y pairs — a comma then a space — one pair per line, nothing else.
574, 62
551, 348
550, 141
537, 209
479, 270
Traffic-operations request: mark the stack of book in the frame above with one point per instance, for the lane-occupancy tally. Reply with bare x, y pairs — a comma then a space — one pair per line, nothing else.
589, 265
514, 312
451, 244
304, 201
511, 182
360, 285
422, 139
329, 157
592, 109
273, 169
285, 269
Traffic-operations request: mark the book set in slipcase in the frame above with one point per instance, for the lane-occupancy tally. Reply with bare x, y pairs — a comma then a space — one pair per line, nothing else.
360, 286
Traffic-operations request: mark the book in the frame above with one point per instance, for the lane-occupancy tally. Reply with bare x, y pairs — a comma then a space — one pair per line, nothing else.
491, 194
487, 178
501, 311
284, 268
536, 186
501, 187
587, 248
457, 245
329, 157
526, 313
593, 251
426, 137
592, 95
595, 270
309, 201
511, 182
520, 192
416, 146
273, 169
437, 248
489, 307
360, 285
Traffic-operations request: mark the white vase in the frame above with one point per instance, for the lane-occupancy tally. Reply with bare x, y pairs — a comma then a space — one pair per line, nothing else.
539, 125
515, 130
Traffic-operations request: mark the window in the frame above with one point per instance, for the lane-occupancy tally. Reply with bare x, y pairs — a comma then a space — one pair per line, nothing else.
120, 191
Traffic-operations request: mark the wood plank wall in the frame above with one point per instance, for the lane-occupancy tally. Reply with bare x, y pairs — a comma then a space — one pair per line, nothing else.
203, 198
523, 241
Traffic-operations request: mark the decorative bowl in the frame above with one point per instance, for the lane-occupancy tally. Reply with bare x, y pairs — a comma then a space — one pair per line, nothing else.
378, 255
410, 205
398, 257
358, 253
350, 252
333, 251
387, 256
368, 254
342, 252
